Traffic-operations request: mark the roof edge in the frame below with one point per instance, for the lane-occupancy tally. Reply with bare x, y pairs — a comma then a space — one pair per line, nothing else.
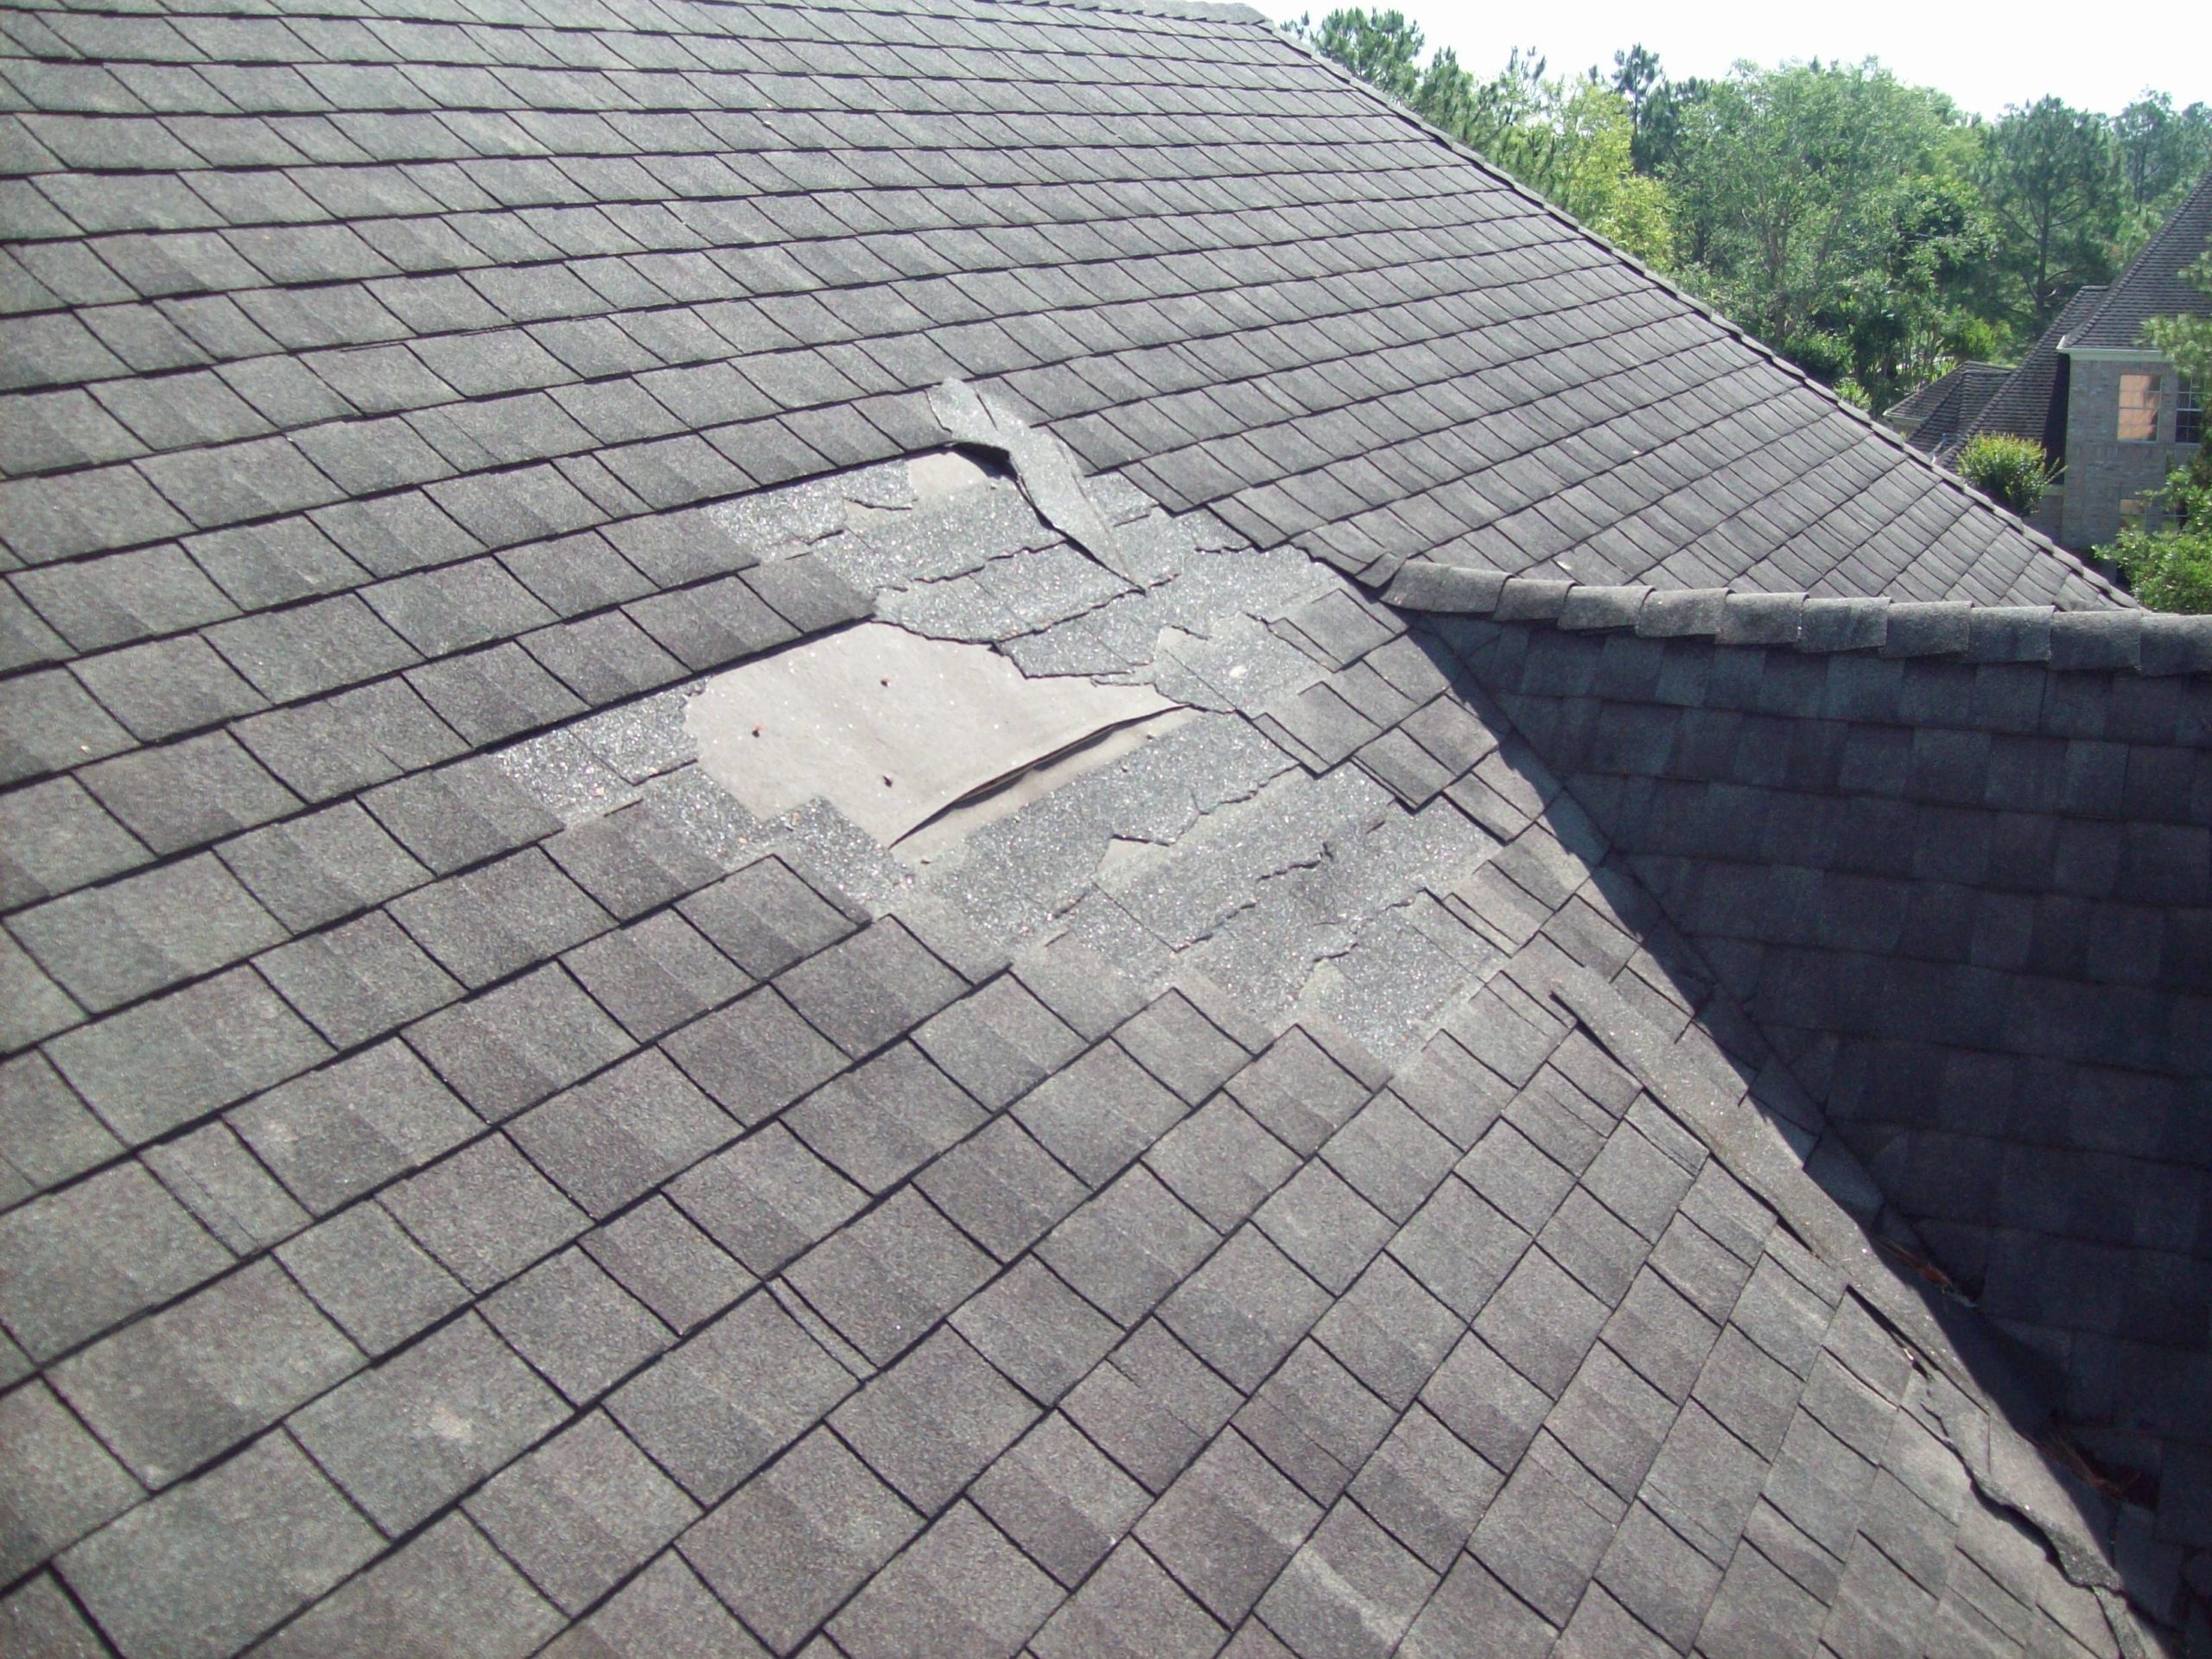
2149, 643
1194, 11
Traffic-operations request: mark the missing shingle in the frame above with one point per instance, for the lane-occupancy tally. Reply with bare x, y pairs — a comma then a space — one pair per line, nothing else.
890, 728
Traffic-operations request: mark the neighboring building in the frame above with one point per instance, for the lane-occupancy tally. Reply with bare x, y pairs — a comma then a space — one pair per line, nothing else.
1939, 414
944, 829
2118, 415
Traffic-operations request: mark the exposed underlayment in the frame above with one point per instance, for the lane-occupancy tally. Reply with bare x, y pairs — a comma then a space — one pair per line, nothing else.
1207, 850
890, 727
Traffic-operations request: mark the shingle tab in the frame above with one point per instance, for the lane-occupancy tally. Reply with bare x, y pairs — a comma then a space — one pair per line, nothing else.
431, 1421
730, 1398
144, 1391
198, 1566
789, 1548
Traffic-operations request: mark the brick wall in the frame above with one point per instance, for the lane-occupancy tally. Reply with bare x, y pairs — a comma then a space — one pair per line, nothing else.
1967, 901
2100, 470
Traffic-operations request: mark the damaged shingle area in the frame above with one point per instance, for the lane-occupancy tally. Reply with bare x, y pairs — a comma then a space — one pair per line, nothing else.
1264, 1184
1381, 1158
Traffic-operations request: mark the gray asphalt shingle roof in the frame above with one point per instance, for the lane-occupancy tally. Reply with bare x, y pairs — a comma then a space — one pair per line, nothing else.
2154, 284
1937, 414
2030, 403
466, 1184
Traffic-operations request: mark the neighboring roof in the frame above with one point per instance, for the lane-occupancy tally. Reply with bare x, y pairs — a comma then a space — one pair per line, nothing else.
2153, 285
1270, 1178
2031, 402
1946, 406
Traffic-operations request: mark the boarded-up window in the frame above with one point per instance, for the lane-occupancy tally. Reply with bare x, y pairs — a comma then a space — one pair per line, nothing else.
2139, 408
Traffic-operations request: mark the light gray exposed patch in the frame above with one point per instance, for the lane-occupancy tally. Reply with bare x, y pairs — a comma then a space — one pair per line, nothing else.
940, 472
1188, 889
706, 816
941, 537
890, 727
960, 820
1265, 953
827, 848
1379, 862
1390, 985
777, 524
644, 739
562, 770
1169, 847
959, 608
1103, 925
1243, 666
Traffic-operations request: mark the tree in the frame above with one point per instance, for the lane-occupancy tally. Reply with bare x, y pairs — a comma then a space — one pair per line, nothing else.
1384, 48
2170, 569
1570, 143
2162, 150
1861, 226
1929, 301
1591, 172
2050, 174
1788, 184
1655, 106
2013, 472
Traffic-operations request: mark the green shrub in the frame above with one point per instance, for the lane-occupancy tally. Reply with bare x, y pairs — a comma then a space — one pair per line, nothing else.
2011, 471
2170, 569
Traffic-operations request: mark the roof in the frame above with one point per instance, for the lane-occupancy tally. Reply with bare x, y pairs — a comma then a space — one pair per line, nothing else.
1946, 406
1200, 253
2031, 402
2153, 285
1317, 1166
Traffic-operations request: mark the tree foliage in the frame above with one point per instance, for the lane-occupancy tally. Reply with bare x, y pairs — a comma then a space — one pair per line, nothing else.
2013, 472
1571, 141
2050, 174
1820, 207
2163, 151
2170, 569
1864, 227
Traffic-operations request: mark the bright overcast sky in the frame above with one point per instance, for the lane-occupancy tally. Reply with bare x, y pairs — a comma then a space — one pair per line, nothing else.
1985, 57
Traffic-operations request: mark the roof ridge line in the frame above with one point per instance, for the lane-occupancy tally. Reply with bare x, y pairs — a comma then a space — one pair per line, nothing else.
2151, 643
1674, 287
1194, 11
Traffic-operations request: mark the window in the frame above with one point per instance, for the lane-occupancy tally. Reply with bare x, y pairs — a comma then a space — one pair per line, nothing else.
2132, 512
2139, 408
2188, 412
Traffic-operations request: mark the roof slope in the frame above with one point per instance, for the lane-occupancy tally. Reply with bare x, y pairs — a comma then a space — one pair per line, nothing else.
688, 250
2152, 285
2029, 404
1946, 406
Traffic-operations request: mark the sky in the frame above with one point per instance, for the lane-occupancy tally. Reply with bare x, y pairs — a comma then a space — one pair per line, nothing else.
1985, 57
